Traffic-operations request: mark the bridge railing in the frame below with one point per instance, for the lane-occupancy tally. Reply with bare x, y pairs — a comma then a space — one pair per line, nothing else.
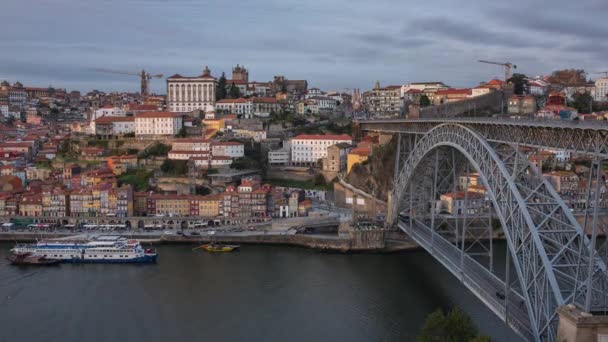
484, 284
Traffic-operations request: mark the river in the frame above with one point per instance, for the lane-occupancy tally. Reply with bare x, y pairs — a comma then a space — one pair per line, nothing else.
262, 293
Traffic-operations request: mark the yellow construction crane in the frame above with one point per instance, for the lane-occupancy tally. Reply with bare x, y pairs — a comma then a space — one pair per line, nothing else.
507, 66
143, 75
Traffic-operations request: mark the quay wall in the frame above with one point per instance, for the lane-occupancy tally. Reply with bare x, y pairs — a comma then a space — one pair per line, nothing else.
359, 242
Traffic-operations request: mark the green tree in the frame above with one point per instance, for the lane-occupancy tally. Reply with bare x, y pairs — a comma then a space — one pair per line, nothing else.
456, 326
182, 133
520, 83
424, 101
234, 92
220, 94
583, 102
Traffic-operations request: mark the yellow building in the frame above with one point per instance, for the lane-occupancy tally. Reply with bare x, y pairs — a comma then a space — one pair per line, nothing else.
215, 124
357, 156
209, 206
30, 205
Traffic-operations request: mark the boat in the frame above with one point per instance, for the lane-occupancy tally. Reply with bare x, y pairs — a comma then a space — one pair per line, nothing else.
218, 247
101, 249
31, 259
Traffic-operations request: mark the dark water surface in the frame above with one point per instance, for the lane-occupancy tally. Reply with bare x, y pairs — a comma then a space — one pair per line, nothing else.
258, 294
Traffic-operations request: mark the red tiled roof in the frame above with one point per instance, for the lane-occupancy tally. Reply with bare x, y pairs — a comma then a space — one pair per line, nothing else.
239, 100
157, 115
361, 151
323, 137
454, 92
142, 107
112, 119
495, 81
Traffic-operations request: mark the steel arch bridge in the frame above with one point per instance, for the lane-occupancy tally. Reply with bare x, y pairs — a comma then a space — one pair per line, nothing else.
555, 263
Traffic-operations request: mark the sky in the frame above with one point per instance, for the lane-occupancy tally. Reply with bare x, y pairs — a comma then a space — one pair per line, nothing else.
334, 44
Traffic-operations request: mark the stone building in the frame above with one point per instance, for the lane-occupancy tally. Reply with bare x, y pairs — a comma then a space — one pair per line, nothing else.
383, 101
185, 94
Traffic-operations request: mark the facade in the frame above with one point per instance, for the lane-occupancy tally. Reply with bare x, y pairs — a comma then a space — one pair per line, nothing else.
336, 157
191, 144
451, 95
601, 89
247, 202
383, 101
185, 94
308, 149
228, 149
459, 203
114, 125
157, 123
241, 107
357, 156
522, 105
263, 106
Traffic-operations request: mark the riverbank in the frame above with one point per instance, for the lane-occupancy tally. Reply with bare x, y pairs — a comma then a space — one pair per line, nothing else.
321, 242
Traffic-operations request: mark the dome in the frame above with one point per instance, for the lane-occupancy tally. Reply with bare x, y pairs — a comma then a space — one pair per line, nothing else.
4, 83
18, 85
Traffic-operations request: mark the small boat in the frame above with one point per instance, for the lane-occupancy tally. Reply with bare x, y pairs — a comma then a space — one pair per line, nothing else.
218, 247
31, 259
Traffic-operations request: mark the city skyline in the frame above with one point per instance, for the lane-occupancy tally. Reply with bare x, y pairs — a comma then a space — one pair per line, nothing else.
334, 46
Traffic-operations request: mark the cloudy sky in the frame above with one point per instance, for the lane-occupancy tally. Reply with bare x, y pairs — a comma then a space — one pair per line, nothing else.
334, 44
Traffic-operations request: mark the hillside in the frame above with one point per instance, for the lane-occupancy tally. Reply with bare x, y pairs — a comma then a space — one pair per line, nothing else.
375, 176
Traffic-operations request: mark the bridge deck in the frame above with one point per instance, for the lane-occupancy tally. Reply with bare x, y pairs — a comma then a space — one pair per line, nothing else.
475, 277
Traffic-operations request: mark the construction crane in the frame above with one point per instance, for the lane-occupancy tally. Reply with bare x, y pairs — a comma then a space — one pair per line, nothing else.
605, 73
506, 65
143, 75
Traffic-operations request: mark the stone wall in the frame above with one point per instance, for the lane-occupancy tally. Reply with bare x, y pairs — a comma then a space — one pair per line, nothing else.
479, 105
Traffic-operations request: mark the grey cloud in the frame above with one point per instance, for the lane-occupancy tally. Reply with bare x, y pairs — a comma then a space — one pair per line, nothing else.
467, 32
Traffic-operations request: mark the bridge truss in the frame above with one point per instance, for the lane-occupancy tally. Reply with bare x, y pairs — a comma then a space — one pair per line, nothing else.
554, 262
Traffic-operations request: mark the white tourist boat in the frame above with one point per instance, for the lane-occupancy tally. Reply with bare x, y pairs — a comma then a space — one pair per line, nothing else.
102, 249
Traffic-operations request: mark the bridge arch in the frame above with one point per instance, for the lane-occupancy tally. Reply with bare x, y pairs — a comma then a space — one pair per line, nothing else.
545, 241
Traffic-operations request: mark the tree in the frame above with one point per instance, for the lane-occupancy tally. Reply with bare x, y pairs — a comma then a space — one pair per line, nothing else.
220, 94
234, 92
456, 326
568, 77
520, 83
424, 101
583, 102
182, 133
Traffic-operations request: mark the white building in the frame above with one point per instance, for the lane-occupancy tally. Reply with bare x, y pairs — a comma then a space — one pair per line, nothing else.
4, 108
158, 123
108, 110
186, 155
228, 149
279, 157
185, 94
601, 89
561, 155
114, 125
324, 102
241, 107
312, 92
191, 144
308, 149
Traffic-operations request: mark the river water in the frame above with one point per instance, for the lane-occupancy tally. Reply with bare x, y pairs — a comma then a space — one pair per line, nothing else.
261, 293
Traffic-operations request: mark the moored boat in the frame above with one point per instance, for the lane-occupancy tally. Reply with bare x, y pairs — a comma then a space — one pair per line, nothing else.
31, 259
218, 247
103, 249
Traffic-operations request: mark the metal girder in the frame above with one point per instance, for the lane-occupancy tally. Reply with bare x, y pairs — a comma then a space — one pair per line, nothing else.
552, 256
580, 137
